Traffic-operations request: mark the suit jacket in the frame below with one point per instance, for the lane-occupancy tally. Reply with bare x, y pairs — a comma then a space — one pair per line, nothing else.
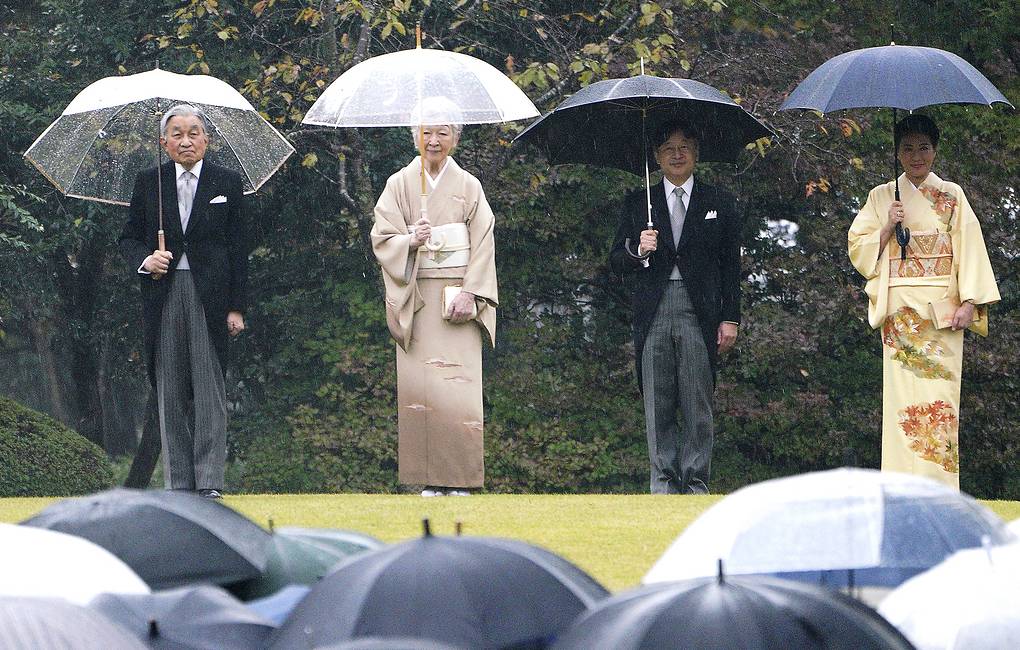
215, 242
708, 257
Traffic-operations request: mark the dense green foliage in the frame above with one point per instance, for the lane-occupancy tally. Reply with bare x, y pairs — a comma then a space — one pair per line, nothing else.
312, 386
41, 457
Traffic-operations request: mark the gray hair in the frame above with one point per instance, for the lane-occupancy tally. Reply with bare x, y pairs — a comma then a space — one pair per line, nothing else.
457, 128
182, 110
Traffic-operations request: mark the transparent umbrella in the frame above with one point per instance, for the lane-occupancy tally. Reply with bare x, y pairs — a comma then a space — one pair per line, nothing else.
48, 564
420, 87
110, 132
842, 528
388, 90
971, 600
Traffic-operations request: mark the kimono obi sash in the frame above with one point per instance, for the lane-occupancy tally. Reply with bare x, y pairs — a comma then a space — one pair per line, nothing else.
929, 255
449, 246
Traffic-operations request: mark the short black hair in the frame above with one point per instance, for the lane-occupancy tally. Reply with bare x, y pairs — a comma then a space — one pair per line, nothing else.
669, 127
916, 124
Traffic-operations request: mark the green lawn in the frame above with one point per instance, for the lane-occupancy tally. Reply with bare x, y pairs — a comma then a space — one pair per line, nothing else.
615, 538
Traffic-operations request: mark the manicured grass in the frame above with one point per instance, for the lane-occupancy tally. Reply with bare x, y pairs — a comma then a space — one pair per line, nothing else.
616, 538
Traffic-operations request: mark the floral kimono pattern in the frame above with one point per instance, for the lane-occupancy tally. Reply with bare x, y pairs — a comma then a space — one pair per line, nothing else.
921, 368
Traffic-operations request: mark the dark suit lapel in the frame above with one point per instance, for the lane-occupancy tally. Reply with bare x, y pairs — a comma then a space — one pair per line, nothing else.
171, 213
203, 194
696, 210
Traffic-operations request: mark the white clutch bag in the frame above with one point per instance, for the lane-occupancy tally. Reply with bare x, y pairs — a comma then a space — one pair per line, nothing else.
449, 293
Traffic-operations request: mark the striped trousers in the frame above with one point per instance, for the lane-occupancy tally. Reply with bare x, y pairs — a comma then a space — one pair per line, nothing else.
190, 392
677, 377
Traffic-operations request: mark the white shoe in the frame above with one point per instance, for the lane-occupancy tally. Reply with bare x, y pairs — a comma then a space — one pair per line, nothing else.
430, 492
458, 493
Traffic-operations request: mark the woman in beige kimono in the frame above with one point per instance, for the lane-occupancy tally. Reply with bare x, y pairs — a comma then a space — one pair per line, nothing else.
433, 239
922, 303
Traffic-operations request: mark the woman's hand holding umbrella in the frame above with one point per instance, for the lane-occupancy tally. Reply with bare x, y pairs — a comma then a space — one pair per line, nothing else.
420, 232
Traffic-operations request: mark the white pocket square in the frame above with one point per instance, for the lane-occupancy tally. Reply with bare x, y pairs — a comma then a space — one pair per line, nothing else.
219, 199
711, 215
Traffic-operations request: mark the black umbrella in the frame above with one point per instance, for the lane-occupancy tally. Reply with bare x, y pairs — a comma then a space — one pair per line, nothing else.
463, 591
198, 618
724, 614
609, 122
897, 77
170, 538
52, 624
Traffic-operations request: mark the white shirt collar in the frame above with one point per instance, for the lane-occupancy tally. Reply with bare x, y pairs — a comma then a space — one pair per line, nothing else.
687, 186
433, 182
196, 170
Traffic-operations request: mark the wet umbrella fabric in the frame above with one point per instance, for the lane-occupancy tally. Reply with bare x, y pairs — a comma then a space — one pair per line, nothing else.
391, 643
971, 597
170, 538
894, 76
608, 123
388, 90
472, 592
52, 624
45, 563
110, 132
844, 527
189, 618
277, 607
745, 613
897, 77
302, 556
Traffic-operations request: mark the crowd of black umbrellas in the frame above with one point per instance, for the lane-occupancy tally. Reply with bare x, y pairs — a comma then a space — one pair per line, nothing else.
169, 569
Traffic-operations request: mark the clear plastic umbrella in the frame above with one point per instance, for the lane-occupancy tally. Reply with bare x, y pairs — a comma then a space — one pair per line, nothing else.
420, 87
844, 527
388, 90
110, 132
971, 600
46, 564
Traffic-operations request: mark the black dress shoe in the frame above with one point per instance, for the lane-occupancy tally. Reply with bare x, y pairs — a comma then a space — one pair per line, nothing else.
209, 493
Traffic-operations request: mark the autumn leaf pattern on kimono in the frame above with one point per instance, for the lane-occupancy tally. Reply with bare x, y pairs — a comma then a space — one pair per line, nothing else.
916, 344
932, 430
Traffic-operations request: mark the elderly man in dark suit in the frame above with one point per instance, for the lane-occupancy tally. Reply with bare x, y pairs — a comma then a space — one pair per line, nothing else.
684, 279
193, 295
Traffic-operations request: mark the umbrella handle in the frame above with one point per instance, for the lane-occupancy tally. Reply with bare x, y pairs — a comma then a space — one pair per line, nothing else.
156, 275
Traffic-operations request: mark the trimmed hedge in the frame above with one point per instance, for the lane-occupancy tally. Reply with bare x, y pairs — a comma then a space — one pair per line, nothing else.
41, 457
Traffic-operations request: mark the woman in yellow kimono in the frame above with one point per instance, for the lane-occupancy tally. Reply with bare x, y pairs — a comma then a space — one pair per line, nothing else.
424, 252
922, 303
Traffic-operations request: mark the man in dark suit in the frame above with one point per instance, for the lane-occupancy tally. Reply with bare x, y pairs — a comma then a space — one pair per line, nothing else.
683, 275
193, 296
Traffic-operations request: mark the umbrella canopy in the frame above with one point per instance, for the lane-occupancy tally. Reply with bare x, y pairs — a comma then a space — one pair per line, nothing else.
51, 624
389, 90
198, 618
277, 607
110, 132
44, 563
608, 123
170, 538
463, 591
972, 594
894, 76
390, 643
843, 527
302, 556
731, 613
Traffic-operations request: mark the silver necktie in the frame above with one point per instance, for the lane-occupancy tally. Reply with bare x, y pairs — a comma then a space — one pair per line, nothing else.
677, 215
185, 197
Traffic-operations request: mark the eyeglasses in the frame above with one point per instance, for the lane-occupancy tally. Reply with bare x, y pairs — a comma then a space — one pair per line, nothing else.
674, 150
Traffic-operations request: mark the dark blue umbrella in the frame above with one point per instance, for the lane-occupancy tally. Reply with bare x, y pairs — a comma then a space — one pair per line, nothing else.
724, 613
894, 76
472, 592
